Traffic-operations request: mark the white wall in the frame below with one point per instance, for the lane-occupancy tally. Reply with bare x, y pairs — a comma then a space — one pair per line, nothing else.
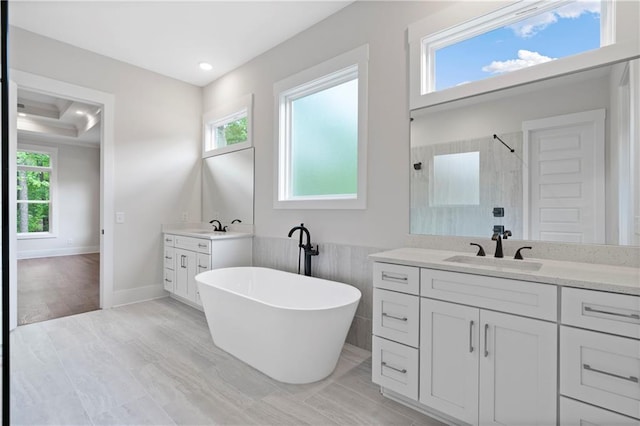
157, 146
383, 26
77, 196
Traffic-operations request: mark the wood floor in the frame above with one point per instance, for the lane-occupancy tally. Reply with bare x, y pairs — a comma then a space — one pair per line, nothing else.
155, 363
54, 287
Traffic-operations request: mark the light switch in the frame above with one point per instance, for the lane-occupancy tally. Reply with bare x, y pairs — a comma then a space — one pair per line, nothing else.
119, 217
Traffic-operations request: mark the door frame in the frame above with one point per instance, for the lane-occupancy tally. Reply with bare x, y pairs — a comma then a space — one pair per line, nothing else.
597, 117
106, 101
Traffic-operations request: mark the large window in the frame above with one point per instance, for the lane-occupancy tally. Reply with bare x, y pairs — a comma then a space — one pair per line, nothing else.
321, 135
516, 37
36, 181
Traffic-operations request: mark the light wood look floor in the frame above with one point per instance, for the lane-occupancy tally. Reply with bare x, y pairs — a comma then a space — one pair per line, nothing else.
155, 363
54, 287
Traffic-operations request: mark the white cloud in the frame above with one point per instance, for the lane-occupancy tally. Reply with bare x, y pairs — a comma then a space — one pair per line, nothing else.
531, 26
525, 59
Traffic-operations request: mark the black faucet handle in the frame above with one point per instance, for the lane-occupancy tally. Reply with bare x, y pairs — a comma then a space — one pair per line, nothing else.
519, 255
506, 234
480, 249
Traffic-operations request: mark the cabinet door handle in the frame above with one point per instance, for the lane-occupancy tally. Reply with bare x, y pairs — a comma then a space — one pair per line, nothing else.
617, 314
405, 319
486, 347
403, 371
606, 373
182, 261
388, 277
202, 245
470, 336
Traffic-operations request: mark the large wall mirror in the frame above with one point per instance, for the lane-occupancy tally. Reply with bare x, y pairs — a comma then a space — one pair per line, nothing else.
555, 160
227, 187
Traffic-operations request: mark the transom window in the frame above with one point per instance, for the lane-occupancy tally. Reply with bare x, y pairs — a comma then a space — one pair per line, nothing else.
321, 135
228, 128
515, 37
36, 180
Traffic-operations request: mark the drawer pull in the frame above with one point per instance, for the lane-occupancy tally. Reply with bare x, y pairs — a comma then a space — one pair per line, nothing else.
168, 280
486, 333
403, 371
168, 257
168, 240
202, 267
202, 245
632, 316
470, 336
384, 314
617, 376
387, 277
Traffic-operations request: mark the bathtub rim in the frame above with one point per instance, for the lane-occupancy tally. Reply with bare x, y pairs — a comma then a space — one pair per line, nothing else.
288, 308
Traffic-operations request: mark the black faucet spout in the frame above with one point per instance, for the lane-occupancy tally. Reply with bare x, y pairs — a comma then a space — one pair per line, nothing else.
498, 239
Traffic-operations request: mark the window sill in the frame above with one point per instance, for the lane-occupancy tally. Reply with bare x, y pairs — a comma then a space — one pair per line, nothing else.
319, 204
36, 236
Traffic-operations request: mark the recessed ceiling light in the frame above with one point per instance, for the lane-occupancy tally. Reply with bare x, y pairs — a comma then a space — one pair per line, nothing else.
205, 66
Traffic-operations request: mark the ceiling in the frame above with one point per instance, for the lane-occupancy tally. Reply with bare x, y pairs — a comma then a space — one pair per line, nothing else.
173, 37
44, 118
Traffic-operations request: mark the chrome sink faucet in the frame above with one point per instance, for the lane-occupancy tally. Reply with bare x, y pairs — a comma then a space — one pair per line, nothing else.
497, 237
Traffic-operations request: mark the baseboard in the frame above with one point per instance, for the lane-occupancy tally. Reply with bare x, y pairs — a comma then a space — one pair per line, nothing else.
140, 294
67, 251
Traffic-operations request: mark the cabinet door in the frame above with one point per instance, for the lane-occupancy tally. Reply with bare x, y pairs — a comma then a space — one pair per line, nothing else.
576, 413
185, 273
518, 370
449, 337
203, 264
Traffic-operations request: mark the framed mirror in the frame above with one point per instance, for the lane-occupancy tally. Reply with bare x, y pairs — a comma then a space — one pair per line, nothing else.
555, 160
227, 187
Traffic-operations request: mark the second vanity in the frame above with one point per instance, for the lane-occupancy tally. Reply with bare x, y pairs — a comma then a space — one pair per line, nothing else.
503, 342
189, 252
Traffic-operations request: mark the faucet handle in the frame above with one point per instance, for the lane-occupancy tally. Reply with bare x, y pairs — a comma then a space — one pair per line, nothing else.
506, 234
480, 249
519, 255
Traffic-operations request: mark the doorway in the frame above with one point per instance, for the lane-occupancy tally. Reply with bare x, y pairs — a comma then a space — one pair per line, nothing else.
58, 206
95, 256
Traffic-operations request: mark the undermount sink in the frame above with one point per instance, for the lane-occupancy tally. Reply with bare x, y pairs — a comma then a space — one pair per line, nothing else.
519, 265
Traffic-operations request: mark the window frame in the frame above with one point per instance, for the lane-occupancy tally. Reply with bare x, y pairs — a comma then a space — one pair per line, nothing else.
53, 189
227, 113
328, 74
619, 42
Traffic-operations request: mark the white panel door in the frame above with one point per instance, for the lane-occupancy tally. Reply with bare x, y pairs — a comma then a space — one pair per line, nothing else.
518, 370
565, 157
449, 336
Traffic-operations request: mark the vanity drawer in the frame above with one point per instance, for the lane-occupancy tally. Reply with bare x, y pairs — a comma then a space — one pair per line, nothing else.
395, 367
500, 294
396, 316
405, 279
596, 310
600, 369
199, 245
168, 240
576, 413
169, 257
168, 280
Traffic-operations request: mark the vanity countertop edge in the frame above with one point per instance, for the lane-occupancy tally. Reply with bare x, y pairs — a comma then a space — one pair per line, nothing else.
615, 279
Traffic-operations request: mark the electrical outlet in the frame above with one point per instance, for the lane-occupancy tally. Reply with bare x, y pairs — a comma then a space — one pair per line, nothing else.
184, 217
119, 217
69, 241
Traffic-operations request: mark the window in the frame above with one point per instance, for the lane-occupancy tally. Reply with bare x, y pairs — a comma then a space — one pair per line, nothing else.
515, 37
228, 128
36, 181
456, 179
321, 125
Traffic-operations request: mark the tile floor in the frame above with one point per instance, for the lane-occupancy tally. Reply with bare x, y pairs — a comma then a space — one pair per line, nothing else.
54, 287
155, 363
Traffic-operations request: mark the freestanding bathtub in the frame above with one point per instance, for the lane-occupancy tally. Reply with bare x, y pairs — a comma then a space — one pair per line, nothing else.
290, 327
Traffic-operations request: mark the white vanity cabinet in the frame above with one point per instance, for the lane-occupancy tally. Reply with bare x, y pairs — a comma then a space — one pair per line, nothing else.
187, 256
600, 357
486, 367
470, 363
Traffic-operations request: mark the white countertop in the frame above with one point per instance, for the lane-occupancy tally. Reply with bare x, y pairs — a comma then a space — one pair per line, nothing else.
618, 279
207, 234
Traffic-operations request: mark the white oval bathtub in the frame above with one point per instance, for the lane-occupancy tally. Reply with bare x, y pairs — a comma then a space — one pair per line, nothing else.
290, 327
